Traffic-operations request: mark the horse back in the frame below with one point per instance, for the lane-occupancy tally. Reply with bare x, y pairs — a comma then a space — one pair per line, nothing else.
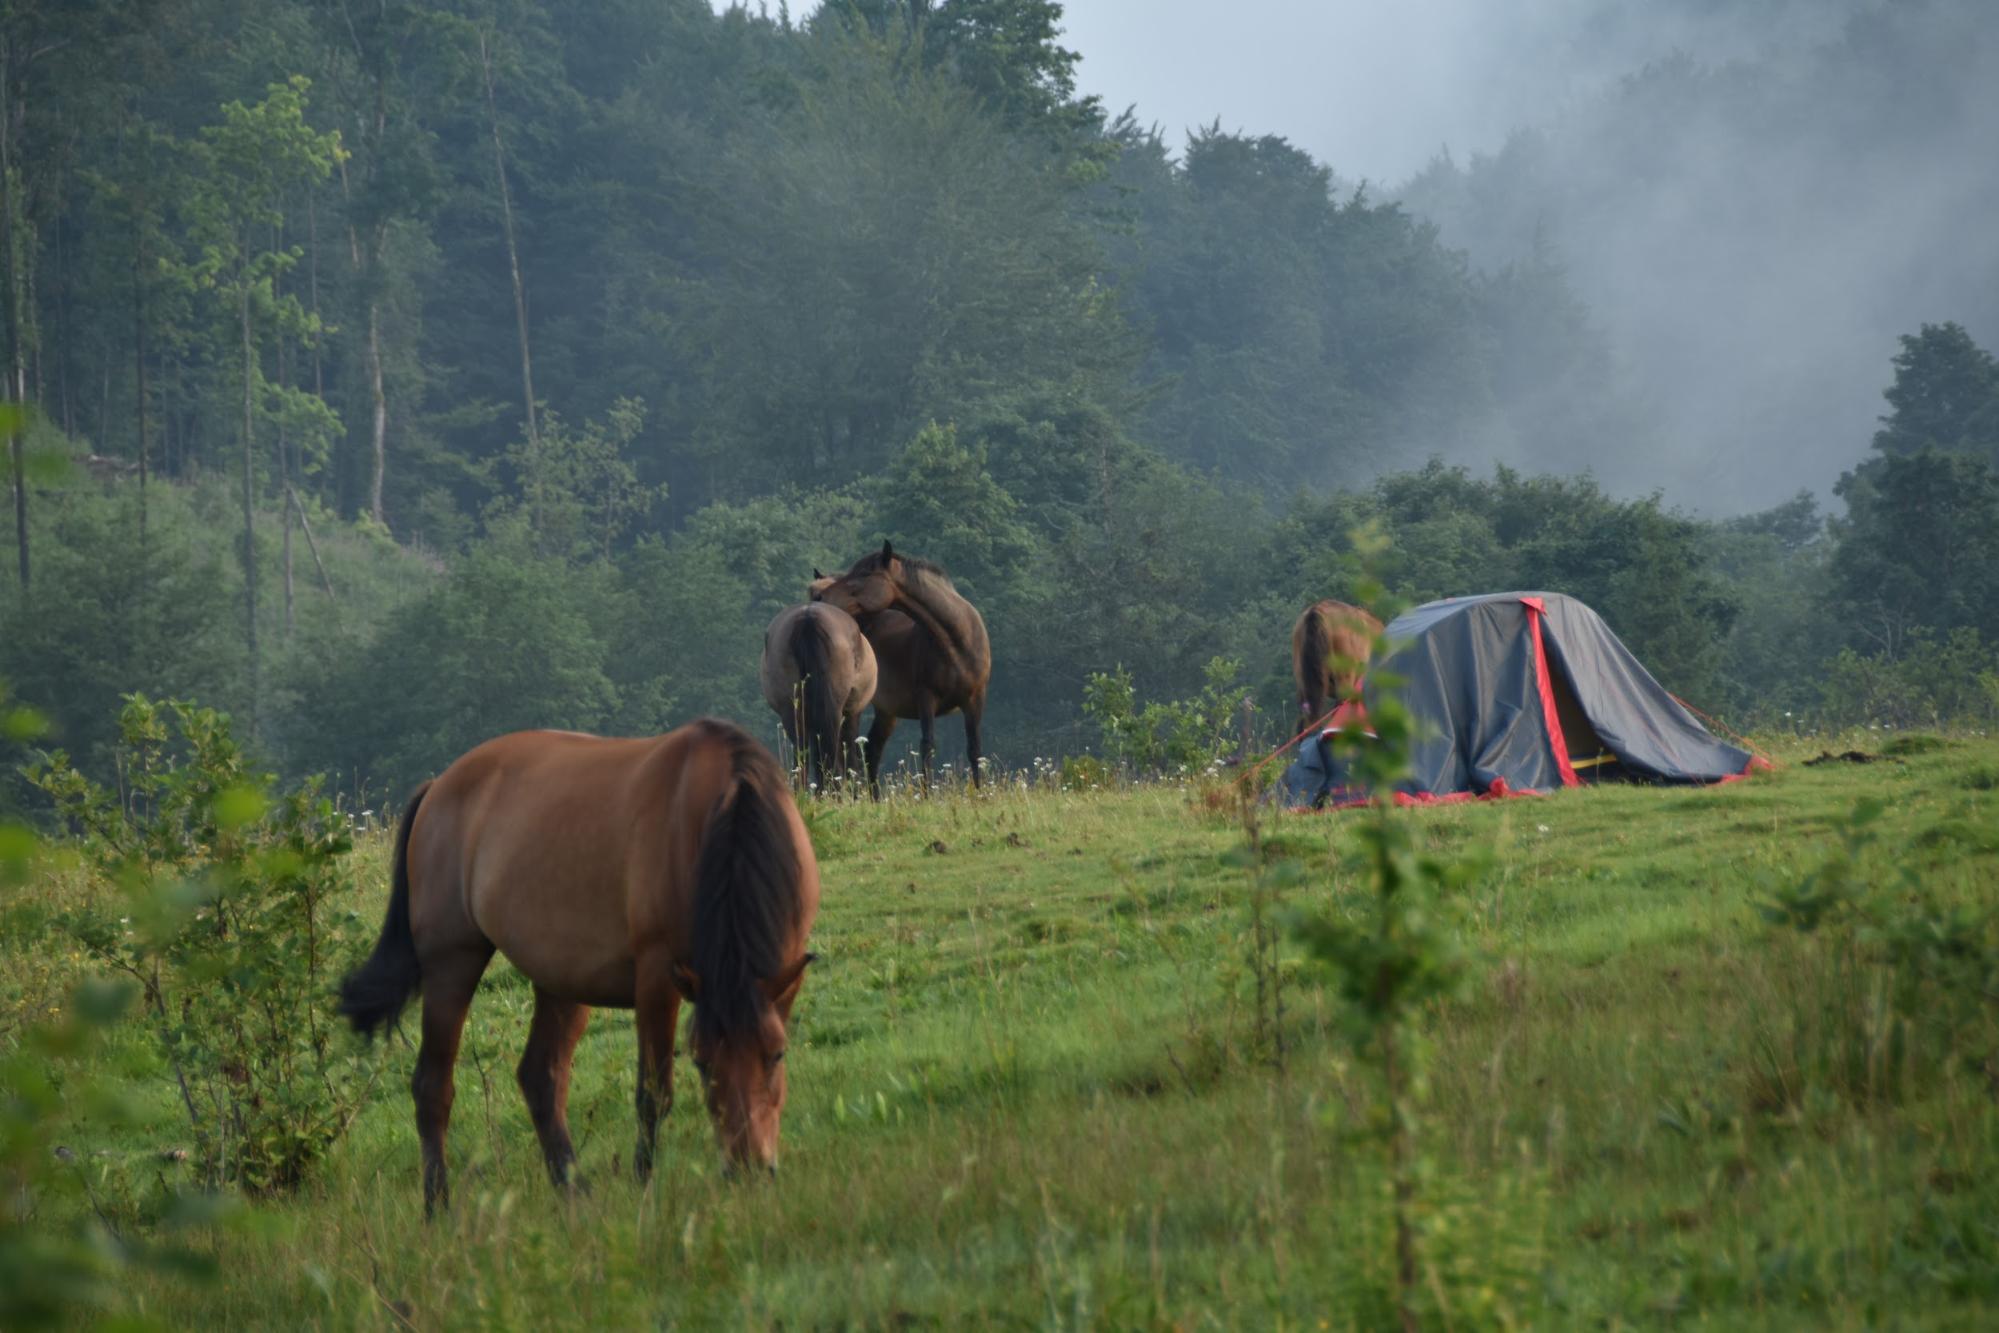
910, 662
568, 853
1326, 630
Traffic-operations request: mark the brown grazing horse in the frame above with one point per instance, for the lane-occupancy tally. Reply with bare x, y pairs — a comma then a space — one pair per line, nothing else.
627, 874
1330, 645
931, 645
818, 676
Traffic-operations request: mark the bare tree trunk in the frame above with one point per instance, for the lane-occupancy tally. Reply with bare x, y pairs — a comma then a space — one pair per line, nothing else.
139, 366
249, 502
305, 526
312, 284
520, 286
16, 374
366, 265
65, 396
285, 479
381, 405
286, 525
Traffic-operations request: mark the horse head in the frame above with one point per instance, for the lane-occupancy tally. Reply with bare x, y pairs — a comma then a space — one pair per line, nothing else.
869, 586
741, 1063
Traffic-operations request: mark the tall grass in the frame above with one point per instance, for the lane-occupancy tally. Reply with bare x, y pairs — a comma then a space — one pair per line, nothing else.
1025, 1092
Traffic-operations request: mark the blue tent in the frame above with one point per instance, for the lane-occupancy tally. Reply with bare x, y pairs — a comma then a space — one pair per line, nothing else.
1523, 692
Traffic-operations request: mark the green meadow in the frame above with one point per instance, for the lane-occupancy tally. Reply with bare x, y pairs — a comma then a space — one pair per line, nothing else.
1033, 1085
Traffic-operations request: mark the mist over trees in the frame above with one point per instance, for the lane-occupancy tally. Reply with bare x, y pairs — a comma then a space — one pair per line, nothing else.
403, 373
1759, 201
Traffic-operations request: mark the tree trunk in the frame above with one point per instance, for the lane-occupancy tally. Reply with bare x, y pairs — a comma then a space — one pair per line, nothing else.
381, 406
249, 501
66, 394
520, 286
287, 527
139, 366
367, 263
312, 285
16, 370
285, 479
305, 526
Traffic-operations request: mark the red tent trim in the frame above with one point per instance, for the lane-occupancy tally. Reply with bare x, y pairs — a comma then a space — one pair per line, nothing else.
1535, 611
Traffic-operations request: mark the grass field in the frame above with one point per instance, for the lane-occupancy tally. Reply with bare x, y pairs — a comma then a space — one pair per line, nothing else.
1027, 1090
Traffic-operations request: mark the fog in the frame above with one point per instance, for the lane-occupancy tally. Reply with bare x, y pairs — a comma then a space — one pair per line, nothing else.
1753, 199
1375, 90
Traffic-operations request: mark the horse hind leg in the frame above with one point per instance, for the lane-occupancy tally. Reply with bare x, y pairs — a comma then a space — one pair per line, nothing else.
448, 986
878, 733
850, 729
926, 718
543, 1074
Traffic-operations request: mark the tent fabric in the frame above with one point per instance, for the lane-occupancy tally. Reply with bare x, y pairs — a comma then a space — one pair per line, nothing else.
1491, 678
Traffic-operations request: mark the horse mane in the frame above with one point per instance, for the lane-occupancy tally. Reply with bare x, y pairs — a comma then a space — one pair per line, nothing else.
920, 575
746, 901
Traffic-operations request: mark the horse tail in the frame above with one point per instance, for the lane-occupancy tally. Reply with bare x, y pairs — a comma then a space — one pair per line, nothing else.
373, 995
747, 886
1313, 660
821, 715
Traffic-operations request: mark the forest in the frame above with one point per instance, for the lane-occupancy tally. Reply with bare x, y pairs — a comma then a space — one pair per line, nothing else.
393, 374
380, 376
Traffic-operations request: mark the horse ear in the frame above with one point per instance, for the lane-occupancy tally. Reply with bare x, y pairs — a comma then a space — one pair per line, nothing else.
687, 983
816, 575
783, 988
888, 552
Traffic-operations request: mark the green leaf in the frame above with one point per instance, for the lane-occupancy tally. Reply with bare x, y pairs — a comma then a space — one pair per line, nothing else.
22, 725
17, 846
47, 466
239, 805
101, 1001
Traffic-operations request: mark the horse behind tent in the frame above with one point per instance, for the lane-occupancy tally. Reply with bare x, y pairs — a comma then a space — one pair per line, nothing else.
628, 874
929, 641
1329, 651
818, 675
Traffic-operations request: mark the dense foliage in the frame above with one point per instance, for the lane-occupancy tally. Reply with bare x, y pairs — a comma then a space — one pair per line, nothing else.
399, 374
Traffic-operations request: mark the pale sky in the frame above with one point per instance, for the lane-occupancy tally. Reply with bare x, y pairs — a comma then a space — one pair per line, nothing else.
1374, 88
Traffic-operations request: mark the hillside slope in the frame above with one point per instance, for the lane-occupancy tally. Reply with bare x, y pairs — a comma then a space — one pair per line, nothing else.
1027, 1090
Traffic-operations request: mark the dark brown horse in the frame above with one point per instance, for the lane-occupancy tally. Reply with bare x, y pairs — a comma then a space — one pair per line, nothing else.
930, 644
1330, 645
818, 676
627, 874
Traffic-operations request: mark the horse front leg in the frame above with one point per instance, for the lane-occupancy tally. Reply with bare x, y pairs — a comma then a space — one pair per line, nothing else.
658, 1016
974, 714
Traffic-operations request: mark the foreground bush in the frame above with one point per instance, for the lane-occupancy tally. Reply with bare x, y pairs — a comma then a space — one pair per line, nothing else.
226, 911
1949, 681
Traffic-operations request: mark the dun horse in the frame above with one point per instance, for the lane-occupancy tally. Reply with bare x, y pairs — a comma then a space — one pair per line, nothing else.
626, 874
818, 676
1329, 650
930, 643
